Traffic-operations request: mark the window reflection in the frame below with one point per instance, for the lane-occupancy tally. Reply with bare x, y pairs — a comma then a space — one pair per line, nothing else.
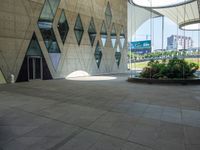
78, 29
45, 24
118, 55
113, 36
98, 54
63, 27
103, 34
92, 31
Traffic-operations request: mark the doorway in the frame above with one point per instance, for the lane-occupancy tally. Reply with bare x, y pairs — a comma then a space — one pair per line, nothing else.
35, 69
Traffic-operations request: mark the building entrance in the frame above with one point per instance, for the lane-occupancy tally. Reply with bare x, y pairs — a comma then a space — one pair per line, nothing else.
35, 69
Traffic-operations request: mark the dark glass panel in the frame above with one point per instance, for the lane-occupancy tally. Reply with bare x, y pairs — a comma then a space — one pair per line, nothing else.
98, 54
118, 58
34, 47
45, 24
122, 38
78, 29
92, 32
103, 34
63, 26
37, 68
113, 35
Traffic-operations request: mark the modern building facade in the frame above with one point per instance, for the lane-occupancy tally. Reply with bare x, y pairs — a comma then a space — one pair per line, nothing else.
177, 42
48, 39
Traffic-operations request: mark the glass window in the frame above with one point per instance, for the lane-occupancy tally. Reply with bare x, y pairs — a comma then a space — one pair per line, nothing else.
122, 38
63, 26
34, 47
78, 29
92, 31
98, 54
118, 56
45, 24
103, 34
113, 36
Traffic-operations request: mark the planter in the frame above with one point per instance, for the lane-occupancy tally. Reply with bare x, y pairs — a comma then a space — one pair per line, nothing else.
195, 81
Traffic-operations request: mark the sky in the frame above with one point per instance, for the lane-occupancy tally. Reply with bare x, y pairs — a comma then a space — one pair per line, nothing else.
170, 28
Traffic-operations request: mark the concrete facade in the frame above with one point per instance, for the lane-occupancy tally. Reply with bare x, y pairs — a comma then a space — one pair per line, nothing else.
18, 23
2, 79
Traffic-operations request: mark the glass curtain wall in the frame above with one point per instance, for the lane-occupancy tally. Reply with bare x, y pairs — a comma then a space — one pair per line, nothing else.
155, 38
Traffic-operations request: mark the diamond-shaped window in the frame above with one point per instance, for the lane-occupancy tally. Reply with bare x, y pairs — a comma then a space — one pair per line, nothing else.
47, 13
78, 29
54, 5
45, 24
92, 32
63, 26
113, 36
98, 54
49, 38
118, 56
108, 15
103, 34
122, 38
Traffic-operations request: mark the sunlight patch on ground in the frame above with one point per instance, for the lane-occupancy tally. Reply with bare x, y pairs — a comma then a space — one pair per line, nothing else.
93, 78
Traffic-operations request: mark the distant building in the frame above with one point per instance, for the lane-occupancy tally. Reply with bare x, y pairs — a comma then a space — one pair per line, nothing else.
179, 42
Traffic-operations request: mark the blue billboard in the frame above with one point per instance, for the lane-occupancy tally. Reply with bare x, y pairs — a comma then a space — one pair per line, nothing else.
140, 47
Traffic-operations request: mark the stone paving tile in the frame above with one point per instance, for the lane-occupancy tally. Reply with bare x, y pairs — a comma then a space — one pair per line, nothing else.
73, 114
21, 118
88, 140
99, 115
115, 124
191, 117
153, 112
132, 108
83, 141
145, 132
173, 133
193, 147
8, 133
32, 143
172, 115
167, 145
52, 129
192, 135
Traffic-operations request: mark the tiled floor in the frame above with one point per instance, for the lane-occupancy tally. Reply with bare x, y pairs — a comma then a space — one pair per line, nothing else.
99, 115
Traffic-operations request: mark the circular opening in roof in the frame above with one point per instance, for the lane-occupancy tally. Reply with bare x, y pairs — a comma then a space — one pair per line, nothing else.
159, 3
191, 27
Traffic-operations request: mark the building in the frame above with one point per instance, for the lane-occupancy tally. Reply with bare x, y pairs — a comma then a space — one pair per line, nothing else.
55, 39
177, 42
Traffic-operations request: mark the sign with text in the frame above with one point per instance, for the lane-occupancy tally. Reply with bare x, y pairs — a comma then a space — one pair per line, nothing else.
141, 47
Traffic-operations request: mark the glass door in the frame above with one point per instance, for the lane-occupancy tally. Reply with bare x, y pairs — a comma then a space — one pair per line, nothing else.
34, 68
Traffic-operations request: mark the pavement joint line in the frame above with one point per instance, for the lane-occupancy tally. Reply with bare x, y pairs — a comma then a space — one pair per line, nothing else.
66, 140
84, 128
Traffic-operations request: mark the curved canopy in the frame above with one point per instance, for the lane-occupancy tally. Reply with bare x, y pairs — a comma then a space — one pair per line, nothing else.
140, 18
159, 3
191, 26
184, 14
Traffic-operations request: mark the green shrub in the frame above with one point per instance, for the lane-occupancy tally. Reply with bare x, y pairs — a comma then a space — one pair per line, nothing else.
174, 68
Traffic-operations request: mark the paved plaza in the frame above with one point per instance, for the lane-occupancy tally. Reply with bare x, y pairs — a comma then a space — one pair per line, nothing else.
99, 113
